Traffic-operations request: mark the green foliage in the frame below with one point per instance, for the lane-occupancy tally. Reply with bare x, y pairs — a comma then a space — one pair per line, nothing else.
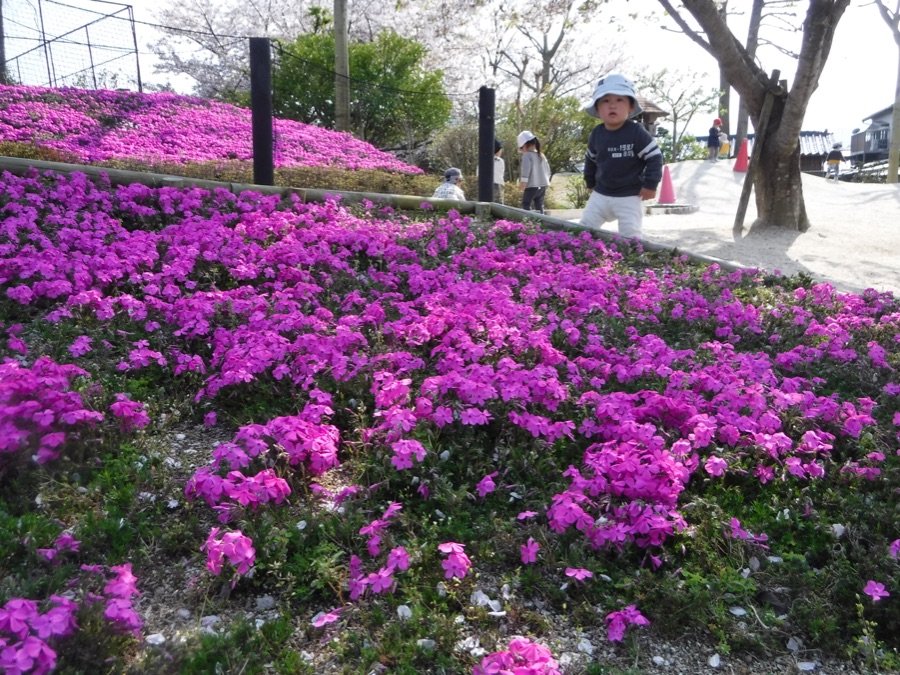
240, 649
577, 191
688, 148
682, 95
393, 99
560, 124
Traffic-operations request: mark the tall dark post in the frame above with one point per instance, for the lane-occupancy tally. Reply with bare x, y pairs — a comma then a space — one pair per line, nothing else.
261, 111
485, 144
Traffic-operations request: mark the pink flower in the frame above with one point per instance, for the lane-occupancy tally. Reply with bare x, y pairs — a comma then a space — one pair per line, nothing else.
457, 563
451, 547
522, 658
382, 580
398, 559
617, 622
529, 551
715, 466
81, 345
895, 547
875, 590
122, 613
524, 515
486, 485
324, 618
578, 574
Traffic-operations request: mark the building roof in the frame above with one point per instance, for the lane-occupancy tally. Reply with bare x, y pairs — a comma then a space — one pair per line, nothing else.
887, 110
811, 142
650, 107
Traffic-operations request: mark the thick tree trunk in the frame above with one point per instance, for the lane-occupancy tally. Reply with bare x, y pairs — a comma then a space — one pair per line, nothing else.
779, 191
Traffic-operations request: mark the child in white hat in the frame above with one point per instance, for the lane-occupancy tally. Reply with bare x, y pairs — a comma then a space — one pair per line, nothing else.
534, 173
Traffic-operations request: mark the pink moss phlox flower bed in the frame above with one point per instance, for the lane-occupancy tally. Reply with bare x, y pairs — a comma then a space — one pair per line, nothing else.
651, 380
99, 125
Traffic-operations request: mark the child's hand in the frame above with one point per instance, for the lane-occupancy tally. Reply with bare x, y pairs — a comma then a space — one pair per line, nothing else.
647, 194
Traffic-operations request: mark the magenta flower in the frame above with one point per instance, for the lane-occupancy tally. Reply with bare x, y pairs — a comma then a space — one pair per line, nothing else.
232, 547
80, 346
324, 618
523, 657
875, 590
30, 655
381, 581
457, 563
578, 574
398, 559
529, 551
618, 622
486, 485
895, 547
125, 583
715, 466
122, 613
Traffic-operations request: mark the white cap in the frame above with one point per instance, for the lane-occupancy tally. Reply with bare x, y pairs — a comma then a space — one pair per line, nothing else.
524, 137
613, 84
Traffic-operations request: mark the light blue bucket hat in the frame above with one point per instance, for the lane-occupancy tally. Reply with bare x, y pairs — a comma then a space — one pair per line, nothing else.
613, 84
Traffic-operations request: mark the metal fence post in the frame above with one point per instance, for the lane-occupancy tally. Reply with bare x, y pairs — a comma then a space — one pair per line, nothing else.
261, 111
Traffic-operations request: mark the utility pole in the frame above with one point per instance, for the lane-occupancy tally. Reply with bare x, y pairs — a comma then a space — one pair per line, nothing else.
341, 67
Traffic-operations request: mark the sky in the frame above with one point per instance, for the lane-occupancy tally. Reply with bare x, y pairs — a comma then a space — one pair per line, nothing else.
858, 80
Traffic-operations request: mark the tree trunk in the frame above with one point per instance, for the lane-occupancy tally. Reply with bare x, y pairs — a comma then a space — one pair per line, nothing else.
892, 19
724, 111
341, 68
894, 152
779, 190
750, 45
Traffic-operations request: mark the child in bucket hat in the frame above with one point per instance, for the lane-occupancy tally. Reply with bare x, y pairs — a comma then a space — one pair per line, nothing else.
450, 189
623, 164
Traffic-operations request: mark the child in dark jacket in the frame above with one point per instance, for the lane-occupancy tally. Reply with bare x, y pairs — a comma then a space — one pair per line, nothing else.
712, 141
833, 160
623, 165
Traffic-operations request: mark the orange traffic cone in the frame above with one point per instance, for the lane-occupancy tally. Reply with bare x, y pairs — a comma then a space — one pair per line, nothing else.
667, 193
742, 162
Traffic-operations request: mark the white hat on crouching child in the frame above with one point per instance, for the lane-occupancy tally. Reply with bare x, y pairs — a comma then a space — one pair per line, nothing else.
614, 84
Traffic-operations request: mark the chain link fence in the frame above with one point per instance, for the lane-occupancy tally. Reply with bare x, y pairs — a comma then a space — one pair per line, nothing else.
53, 44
